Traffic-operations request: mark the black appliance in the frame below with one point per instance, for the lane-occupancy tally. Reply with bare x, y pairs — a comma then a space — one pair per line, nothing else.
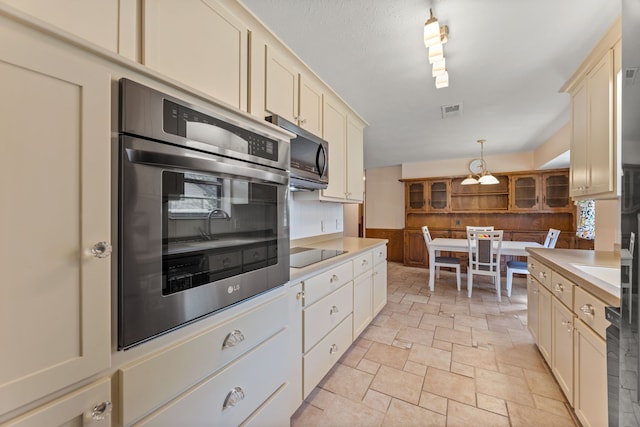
309, 157
203, 211
612, 314
302, 257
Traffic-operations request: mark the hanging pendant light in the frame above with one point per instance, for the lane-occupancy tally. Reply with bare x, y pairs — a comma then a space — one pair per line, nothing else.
484, 177
431, 31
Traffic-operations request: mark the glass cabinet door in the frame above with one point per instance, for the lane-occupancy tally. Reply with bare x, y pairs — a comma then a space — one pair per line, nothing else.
556, 192
439, 195
524, 196
415, 196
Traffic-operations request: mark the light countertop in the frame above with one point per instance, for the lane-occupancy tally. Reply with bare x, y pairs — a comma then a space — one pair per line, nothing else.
562, 260
353, 246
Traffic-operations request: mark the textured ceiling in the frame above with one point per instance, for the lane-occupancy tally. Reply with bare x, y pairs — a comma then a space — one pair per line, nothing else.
507, 60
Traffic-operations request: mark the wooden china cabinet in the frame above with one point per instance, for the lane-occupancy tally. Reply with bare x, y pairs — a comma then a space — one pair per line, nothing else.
524, 204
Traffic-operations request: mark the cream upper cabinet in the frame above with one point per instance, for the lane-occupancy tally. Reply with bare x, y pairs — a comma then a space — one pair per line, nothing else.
198, 43
55, 173
95, 21
291, 94
335, 132
594, 121
355, 159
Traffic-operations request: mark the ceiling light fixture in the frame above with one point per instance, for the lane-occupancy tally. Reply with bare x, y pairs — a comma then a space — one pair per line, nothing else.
434, 37
478, 167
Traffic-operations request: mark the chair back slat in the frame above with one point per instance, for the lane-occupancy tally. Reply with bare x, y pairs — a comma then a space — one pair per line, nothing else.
484, 250
632, 242
552, 238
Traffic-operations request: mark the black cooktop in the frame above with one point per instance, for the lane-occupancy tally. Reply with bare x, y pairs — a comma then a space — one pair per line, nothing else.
302, 257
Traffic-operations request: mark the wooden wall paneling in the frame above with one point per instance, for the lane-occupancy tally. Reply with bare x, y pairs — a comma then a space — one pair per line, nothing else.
395, 247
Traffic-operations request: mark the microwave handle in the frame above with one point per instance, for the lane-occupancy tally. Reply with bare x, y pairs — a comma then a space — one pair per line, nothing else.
322, 153
202, 164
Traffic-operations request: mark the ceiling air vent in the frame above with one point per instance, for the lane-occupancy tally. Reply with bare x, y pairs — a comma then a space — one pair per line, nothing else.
453, 110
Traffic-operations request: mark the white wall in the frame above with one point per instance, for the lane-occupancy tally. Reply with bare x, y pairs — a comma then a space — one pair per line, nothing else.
498, 163
351, 219
313, 218
607, 225
384, 198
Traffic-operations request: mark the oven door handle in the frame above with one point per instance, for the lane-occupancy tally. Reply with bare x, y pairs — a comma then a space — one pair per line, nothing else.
203, 164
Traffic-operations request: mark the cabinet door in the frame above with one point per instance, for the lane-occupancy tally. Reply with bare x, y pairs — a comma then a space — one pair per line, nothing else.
533, 307
544, 322
355, 160
379, 287
601, 144
590, 402
200, 44
362, 303
438, 196
555, 189
562, 320
524, 193
579, 141
89, 406
95, 21
310, 106
295, 297
54, 172
415, 251
281, 86
415, 196
335, 132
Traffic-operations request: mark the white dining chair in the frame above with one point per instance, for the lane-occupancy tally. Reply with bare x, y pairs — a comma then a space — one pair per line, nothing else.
520, 267
479, 228
441, 261
627, 283
484, 257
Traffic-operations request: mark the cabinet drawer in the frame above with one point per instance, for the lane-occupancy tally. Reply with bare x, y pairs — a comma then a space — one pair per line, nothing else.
380, 254
274, 412
211, 402
318, 361
540, 272
325, 314
74, 408
562, 288
324, 283
147, 384
362, 264
591, 311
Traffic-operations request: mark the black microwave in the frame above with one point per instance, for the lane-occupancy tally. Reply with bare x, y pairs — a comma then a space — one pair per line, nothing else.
309, 157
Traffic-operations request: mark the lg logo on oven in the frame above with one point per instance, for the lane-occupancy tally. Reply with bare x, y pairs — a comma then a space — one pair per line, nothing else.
231, 289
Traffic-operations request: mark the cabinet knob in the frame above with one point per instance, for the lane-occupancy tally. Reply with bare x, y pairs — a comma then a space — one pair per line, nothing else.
234, 397
101, 411
300, 295
364, 262
531, 266
333, 349
558, 288
588, 310
334, 278
233, 338
101, 249
542, 275
333, 310
569, 325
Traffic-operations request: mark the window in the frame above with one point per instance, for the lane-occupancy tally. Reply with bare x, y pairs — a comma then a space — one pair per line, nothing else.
586, 228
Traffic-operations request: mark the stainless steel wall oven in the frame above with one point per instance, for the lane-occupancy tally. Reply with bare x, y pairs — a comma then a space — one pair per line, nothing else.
203, 212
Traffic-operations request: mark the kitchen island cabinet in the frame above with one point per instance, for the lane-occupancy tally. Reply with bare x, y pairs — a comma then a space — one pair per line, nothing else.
578, 324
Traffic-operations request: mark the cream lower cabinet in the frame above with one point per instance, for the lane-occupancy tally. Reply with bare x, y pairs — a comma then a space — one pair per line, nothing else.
200, 44
362, 293
533, 307
562, 320
55, 167
218, 377
577, 347
379, 279
89, 406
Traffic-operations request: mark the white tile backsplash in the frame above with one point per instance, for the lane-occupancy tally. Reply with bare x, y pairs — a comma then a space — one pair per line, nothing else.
313, 218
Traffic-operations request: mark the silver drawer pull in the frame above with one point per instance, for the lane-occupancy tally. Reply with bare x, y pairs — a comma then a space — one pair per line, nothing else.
333, 310
364, 262
232, 339
531, 266
558, 288
233, 397
333, 349
300, 295
542, 275
101, 411
588, 310
568, 324
334, 278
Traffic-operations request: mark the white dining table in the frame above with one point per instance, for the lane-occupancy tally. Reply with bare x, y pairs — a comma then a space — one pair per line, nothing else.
509, 247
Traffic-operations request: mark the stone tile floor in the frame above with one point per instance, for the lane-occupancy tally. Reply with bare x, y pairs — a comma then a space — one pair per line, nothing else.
440, 359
